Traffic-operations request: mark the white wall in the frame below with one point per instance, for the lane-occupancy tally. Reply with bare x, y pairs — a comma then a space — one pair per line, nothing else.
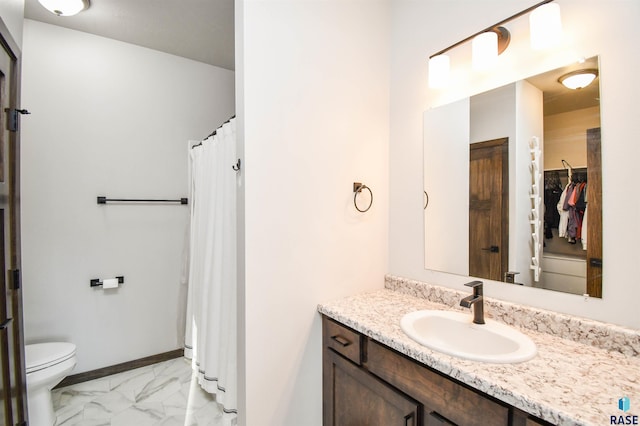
592, 27
446, 182
12, 14
108, 118
315, 79
529, 122
565, 137
493, 115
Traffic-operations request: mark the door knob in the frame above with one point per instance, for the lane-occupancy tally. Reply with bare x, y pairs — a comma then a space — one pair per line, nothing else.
492, 249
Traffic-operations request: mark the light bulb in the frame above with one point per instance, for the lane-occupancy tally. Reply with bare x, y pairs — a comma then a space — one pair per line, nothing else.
545, 26
439, 71
484, 50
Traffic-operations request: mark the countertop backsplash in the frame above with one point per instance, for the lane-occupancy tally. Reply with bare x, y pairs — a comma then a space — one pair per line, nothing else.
589, 332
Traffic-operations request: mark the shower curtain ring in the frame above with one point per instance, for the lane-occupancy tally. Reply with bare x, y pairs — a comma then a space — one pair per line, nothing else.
236, 167
357, 189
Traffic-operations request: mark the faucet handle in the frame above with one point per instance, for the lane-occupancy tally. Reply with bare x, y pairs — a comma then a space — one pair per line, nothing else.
477, 287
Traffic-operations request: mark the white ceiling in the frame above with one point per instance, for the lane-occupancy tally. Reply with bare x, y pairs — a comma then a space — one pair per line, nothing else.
202, 30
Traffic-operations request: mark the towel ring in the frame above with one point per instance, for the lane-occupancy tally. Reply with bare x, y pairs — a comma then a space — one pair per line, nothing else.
357, 189
426, 203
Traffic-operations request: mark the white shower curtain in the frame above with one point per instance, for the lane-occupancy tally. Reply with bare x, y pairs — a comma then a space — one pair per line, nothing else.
210, 338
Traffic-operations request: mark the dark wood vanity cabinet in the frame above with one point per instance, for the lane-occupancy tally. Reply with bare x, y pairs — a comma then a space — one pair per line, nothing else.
358, 398
368, 384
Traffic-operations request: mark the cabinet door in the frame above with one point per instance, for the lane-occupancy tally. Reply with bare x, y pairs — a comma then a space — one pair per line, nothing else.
445, 401
353, 397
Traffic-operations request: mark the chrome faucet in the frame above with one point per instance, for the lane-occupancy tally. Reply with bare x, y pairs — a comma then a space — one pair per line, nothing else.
476, 300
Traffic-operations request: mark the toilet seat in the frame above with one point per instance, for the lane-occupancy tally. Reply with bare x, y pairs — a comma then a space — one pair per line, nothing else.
44, 355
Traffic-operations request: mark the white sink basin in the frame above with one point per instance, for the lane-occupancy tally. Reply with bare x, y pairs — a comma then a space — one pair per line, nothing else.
454, 333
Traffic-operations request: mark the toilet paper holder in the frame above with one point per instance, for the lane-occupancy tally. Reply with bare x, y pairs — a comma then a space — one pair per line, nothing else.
96, 282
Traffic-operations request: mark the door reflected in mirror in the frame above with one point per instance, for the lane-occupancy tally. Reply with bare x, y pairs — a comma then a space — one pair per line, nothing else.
493, 198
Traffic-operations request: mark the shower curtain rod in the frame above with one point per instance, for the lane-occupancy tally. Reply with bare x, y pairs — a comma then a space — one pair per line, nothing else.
215, 131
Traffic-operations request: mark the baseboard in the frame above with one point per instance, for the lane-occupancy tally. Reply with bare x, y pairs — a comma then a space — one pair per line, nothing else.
119, 368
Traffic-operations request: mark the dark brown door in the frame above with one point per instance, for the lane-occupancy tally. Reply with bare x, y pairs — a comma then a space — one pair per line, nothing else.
594, 214
357, 398
488, 209
13, 391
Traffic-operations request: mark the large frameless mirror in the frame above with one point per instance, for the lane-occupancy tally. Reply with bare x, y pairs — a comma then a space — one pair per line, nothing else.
512, 181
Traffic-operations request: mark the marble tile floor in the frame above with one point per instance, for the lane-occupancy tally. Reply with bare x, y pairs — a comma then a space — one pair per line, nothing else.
164, 394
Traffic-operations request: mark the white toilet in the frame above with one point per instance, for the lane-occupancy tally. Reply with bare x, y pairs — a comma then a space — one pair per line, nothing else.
47, 364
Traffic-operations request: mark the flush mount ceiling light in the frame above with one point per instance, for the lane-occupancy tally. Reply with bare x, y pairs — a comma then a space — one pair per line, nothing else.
65, 7
578, 79
485, 43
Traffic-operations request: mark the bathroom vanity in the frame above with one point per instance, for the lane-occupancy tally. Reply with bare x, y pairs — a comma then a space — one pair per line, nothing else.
374, 374
367, 383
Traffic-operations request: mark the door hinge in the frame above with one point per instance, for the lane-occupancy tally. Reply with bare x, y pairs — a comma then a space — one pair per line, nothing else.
13, 118
14, 277
4, 324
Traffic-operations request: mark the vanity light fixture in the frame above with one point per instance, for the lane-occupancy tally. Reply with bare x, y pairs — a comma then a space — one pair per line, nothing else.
484, 51
490, 42
579, 79
439, 71
545, 26
486, 47
65, 7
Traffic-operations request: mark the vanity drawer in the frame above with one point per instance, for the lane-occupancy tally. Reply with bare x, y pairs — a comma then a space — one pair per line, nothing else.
342, 339
445, 401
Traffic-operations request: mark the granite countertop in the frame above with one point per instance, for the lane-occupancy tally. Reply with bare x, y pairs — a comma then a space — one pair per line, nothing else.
567, 383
